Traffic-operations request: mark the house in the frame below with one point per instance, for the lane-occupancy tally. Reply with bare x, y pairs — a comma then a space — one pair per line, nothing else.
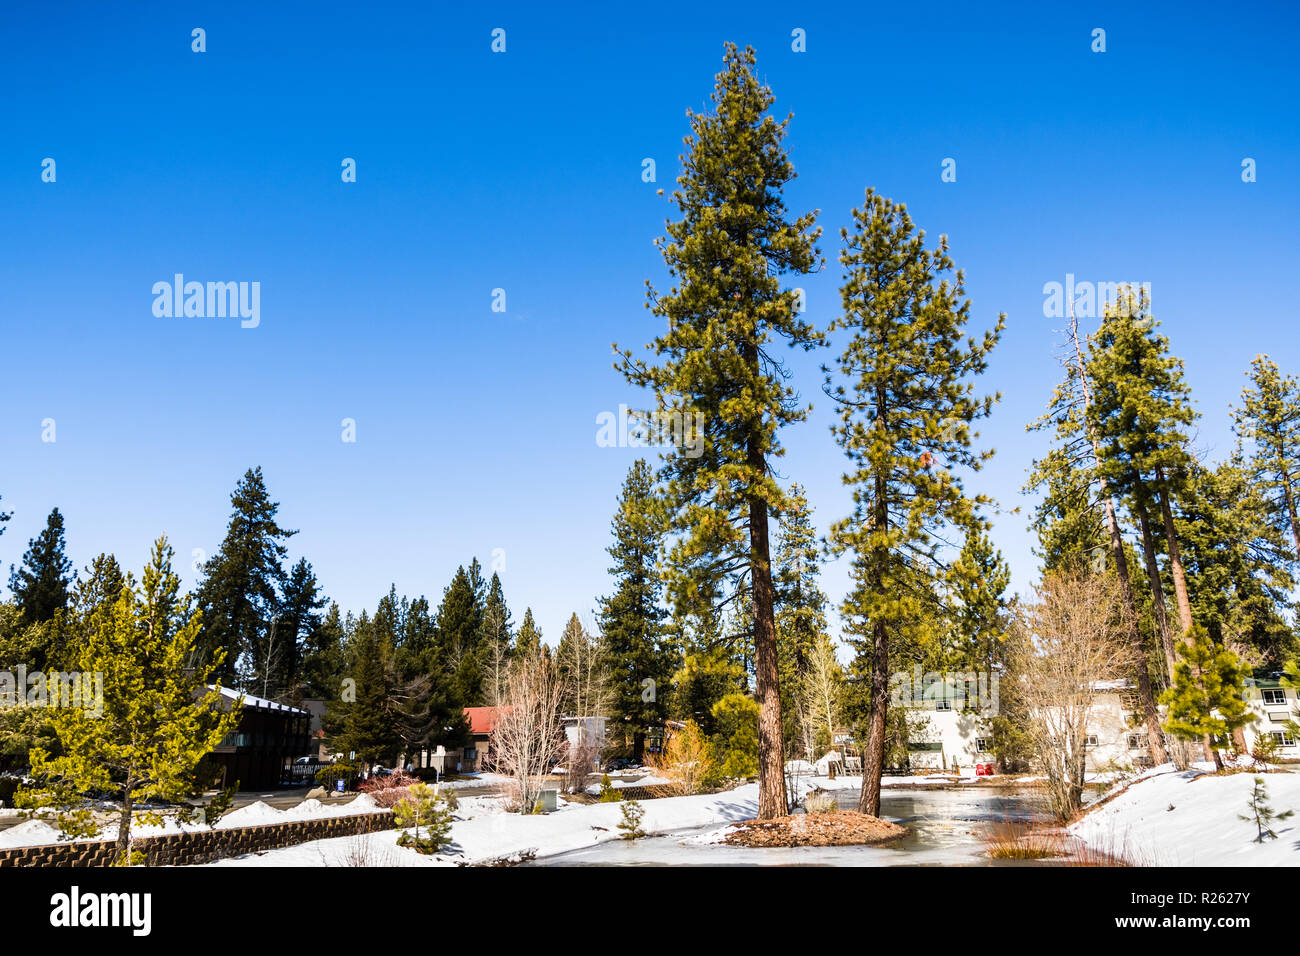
470, 758
1274, 707
260, 750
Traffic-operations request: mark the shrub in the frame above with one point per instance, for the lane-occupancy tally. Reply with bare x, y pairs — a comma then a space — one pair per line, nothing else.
388, 790
608, 792
687, 760
631, 822
820, 801
424, 818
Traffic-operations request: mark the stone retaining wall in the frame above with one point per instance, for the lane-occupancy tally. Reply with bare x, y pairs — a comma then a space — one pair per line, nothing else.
180, 849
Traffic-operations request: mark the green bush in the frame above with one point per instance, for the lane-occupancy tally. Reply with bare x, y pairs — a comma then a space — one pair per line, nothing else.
425, 819
608, 792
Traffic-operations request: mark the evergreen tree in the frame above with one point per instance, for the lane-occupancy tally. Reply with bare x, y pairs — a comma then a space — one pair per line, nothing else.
1140, 411
322, 657
497, 643
300, 606
460, 631
800, 610
1066, 521
157, 721
1268, 423
1206, 698
631, 619
906, 410
978, 607
368, 724
238, 595
41, 584
1239, 564
1262, 813
528, 643
717, 360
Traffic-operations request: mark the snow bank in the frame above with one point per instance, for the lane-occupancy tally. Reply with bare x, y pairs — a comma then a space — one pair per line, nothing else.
1189, 818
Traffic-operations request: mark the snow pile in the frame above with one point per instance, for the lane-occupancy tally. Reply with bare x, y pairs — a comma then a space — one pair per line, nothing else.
1189, 818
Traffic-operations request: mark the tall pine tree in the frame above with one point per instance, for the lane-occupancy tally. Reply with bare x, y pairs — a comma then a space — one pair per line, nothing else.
239, 591
1268, 424
726, 314
907, 403
631, 619
41, 585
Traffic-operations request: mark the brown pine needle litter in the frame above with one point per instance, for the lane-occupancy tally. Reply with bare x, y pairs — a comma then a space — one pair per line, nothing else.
838, 828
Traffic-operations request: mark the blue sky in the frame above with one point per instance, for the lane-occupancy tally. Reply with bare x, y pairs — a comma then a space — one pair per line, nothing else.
522, 171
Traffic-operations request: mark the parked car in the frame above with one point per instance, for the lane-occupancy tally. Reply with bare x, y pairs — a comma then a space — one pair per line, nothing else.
618, 763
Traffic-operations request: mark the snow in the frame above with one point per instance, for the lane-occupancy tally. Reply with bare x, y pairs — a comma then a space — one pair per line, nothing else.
38, 832
484, 831
1191, 818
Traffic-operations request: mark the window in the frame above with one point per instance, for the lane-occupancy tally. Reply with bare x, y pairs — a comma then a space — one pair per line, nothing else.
943, 705
1282, 737
1278, 717
1274, 696
1135, 742
984, 744
1090, 740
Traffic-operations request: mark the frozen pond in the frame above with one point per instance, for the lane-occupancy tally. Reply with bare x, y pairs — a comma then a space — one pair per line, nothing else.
944, 824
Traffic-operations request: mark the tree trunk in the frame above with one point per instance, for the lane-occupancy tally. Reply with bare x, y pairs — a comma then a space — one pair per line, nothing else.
638, 745
1175, 562
771, 770
124, 827
1289, 495
873, 758
1157, 589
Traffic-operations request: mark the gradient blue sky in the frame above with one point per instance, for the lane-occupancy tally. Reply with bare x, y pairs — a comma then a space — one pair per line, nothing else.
476, 430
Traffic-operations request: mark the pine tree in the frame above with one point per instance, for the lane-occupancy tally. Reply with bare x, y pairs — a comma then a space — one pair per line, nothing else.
528, 643
800, 611
631, 619
238, 595
718, 361
1268, 423
460, 632
1240, 567
322, 660
299, 618
907, 405
1140, 410
1262, 813
1206, 698
1070, 534
41, 584
368, 724
157, 720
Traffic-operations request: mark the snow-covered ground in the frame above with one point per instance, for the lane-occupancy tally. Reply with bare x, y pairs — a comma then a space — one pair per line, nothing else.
37, 832
484, 831
1191, 818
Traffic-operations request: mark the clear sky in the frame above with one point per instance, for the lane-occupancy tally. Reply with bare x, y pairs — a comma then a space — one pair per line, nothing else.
475, 429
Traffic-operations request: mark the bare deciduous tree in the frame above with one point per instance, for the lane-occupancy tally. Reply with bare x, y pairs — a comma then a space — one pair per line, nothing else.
819, 694
528, 737
1073, 637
